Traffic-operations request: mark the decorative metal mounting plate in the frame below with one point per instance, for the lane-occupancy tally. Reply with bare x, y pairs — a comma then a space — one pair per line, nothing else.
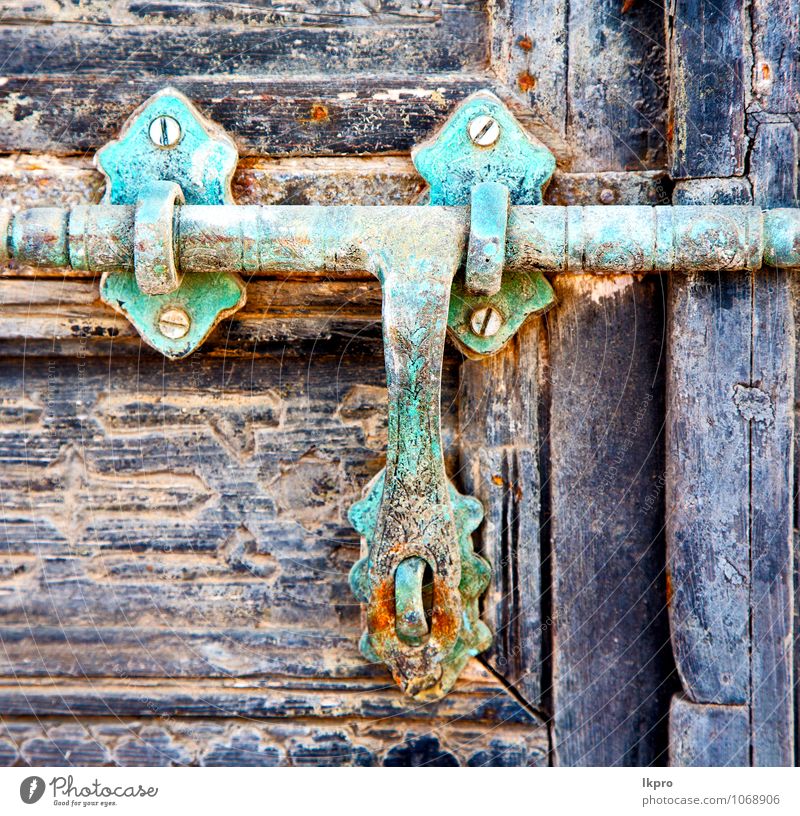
409, 606
483, 142
168, 140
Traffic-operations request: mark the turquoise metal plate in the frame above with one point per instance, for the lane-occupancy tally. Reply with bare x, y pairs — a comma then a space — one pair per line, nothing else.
167, 139
452, 164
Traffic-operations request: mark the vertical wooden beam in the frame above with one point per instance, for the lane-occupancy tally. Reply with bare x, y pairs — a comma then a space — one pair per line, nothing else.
709, 735
611, 660
706, 126
499, 436
616, 86
610, 653
708, 483
774, 175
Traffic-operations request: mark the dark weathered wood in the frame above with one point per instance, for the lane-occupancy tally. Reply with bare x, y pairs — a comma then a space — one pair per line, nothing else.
475, 698
499, 442
706, 126
709, 402
774, 175
776, 63
267, 117
162, 739
455, 43
265, 13
730, 550
611, 660
529, 54
705, 735
616, 87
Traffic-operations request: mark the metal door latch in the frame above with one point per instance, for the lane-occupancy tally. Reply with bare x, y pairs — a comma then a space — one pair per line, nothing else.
170, 245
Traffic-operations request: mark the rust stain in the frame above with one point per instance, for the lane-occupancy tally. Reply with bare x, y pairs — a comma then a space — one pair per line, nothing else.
765, 72
627, 5
319, 113
381, 611
525, 43
498, 480
445, 624
669, 589
526, 82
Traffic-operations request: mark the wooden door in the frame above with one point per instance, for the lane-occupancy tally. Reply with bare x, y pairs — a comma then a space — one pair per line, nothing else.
175, 548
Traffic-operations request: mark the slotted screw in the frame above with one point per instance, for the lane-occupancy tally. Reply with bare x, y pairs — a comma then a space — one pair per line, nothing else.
174, 323
165, 131
486, 321
484, 131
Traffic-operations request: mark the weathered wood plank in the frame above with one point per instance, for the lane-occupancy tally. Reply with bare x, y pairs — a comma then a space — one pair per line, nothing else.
707, 525
266, 116
704, 735
774, 174
706, 127
776, 61
163, 740
499, 452
616, 87
611, 661
48, 180
529, 54
198, 507
477, 697
454, 43
262, 13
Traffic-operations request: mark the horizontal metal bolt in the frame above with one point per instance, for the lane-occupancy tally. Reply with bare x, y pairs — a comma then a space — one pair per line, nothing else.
484, 131
174, 323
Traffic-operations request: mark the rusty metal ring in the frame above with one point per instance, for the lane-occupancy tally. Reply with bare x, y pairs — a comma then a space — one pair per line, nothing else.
153, 241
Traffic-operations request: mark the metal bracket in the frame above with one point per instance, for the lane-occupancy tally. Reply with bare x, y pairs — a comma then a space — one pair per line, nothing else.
168, 153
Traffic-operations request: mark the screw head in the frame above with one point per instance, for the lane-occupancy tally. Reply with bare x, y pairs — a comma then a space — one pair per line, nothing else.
174, 323
485, 321
484, 131
165, 131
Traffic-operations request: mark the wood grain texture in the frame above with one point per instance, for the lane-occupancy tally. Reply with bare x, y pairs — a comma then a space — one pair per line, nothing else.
611, 660
282, 116
708, 383
264, 13
616, 86
499, 464
452, 43
529, 54
732, 622
774, 175
163, 739
705, 735
706, 125
776, 62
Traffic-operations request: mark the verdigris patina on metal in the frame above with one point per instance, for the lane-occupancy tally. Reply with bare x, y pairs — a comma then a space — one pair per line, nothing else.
479, 150
168, 153
173, 268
